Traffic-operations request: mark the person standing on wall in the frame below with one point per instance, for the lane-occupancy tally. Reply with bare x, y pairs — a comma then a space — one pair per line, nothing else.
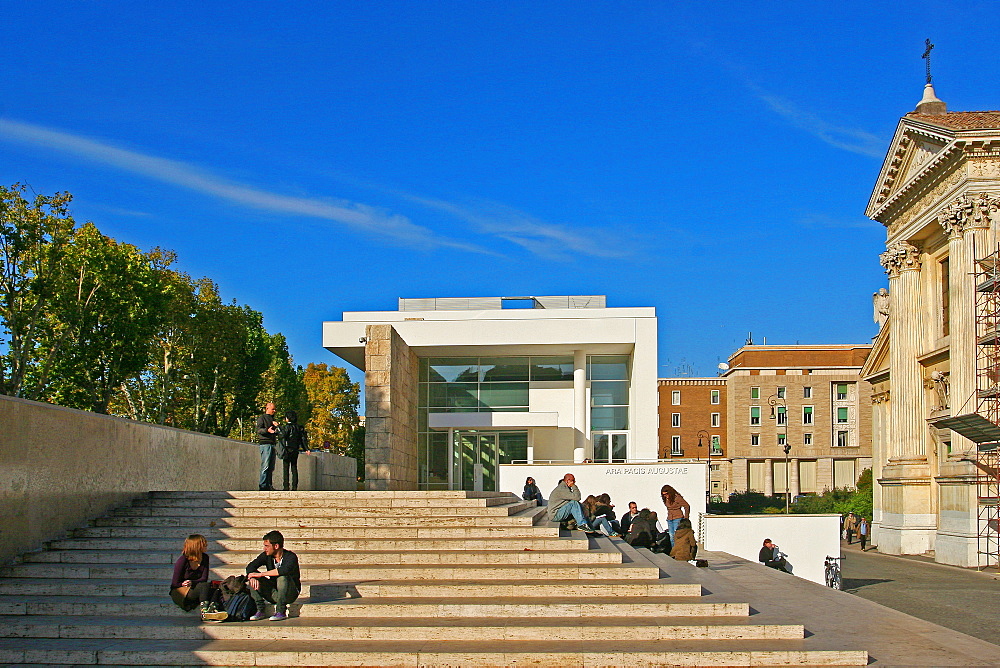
267, 429
677, 509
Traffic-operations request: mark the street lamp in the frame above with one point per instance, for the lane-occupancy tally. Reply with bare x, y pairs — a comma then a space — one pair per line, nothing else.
708, 477
773, 401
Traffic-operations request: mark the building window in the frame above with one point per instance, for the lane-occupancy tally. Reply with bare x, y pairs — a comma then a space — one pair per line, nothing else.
716, 445
755, 393
716, 419
842, 439
807, 415
807, 392
782, 414
754, 439
755, 415
609, 392
781, 393
842, 415
675, 397
841, 391
675, 419
716, 467
675, 445
715, 397
807, 439
781, 439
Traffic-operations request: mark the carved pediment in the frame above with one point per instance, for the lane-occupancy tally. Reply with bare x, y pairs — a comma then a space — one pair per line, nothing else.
912, 149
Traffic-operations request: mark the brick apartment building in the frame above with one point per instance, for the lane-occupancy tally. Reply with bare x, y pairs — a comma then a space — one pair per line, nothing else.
692, 424
808, 397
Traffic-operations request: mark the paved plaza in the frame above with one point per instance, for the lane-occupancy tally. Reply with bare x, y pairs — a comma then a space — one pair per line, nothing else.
962, 599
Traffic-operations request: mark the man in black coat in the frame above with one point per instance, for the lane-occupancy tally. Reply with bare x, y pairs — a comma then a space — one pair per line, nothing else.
771, 557
280, 583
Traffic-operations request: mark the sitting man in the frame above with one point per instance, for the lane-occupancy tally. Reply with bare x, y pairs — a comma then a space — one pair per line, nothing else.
771, 556
564, 502
280, 583
633, 512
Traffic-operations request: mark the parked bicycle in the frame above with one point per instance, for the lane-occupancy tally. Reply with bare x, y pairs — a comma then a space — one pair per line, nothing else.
832, 568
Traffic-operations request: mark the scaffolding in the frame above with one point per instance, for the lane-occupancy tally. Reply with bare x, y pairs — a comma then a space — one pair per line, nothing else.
987, 459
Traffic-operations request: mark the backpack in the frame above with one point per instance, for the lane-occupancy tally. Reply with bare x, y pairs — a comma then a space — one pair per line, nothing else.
640, 533
240, 607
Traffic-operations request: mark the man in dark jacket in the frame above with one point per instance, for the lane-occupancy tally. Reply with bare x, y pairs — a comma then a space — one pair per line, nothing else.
267, 429
771, 557
280, 583
626, 521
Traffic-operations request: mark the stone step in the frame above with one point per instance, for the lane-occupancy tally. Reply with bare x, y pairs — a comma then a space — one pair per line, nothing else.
578, 541
97, 587
512, 588
284, 501
430, 496
58, 651
333, 558
294, 534
163, 573
430, 514
396, 628
283, 523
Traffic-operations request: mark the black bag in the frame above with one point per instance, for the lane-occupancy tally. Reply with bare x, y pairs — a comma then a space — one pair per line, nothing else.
240, 608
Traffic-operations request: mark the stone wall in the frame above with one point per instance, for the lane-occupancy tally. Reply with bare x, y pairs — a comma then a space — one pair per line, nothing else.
60, 467
390, 411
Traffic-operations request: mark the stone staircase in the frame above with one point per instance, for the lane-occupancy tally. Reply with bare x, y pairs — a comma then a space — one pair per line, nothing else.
389, 578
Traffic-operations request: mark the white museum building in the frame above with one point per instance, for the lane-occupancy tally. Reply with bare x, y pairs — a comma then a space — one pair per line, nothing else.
456, 387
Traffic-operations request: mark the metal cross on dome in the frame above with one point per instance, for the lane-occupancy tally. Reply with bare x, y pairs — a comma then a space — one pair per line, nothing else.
927, 57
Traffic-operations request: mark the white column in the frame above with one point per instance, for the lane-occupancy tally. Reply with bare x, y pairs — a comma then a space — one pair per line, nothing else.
902, 261
579, 405
768, 477
531, 446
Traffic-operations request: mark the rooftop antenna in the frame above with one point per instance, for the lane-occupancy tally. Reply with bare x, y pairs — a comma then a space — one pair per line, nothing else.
927, 57
749, 339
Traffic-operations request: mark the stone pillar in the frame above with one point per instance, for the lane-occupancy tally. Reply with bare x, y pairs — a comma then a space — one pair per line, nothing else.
390, 411
579, 405
962, 238
768, 477
793, 476
902, 262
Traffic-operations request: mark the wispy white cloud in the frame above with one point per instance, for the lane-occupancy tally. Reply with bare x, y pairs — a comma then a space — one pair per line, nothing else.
358, 216
549, 240
849, 139
814, 220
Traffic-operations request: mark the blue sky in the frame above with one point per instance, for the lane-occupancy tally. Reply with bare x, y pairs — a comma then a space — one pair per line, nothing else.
710, 159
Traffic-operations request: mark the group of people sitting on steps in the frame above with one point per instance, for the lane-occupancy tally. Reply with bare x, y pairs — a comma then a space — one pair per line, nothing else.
279, 583
638, 527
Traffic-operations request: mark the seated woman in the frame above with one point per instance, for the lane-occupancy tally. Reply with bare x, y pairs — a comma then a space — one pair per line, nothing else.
596, 518
685, 547
190, 586
531, 491
607, 509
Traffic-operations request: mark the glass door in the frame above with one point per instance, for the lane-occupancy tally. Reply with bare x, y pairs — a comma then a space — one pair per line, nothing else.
475, 461
610, 447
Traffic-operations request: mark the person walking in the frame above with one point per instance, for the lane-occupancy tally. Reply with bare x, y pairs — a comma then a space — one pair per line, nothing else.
863, 528
850, 526
267, 431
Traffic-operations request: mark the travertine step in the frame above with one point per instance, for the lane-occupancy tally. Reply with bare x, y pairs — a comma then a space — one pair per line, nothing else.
426, 496
163, 573
578, 541
289, 522
431, 514
57, 651
541, 589
327, 533
332, 558
285, 501
397, 628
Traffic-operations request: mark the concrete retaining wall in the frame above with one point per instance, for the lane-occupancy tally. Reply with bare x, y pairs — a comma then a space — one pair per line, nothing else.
60, 467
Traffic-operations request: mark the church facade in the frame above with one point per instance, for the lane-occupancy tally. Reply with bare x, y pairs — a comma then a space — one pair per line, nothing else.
937, 195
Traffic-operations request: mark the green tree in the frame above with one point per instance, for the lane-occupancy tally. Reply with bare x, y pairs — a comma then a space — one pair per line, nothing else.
34, 238
282, 383
99, 322
333, 399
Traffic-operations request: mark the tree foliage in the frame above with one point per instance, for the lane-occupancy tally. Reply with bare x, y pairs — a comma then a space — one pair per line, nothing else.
93, 323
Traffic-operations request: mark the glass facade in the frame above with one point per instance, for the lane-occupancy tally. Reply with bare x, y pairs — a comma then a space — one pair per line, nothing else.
476, 385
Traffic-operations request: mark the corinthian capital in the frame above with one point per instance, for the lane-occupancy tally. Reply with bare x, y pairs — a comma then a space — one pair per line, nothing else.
956, 216
986, 209
900, 256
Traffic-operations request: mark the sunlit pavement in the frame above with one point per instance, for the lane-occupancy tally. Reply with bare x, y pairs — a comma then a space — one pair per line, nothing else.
961, 599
